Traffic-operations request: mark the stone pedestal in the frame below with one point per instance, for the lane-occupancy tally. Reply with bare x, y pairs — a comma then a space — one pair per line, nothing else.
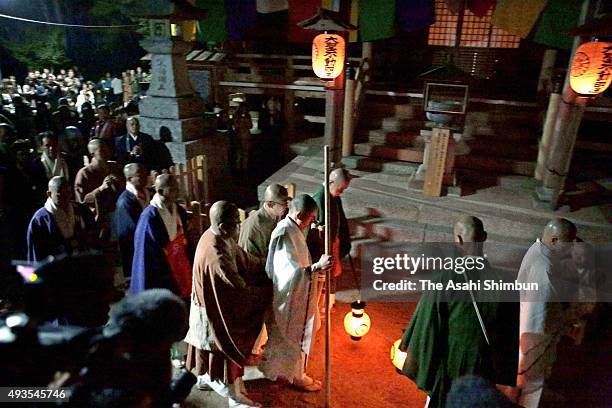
172, 110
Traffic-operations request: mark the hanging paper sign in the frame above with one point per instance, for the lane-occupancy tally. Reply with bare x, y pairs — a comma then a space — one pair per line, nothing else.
591, 71
328, 52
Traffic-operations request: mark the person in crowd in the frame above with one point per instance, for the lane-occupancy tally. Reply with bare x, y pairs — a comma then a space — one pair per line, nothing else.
293, 319
222, 331
161, 254
542, 318
98, 185
129, 365
242, 124
51, 162
105, 127
117, 89
130, 205
271, 122
60, 226
136, 147
62, 117
340, 238
85, 95
451, 335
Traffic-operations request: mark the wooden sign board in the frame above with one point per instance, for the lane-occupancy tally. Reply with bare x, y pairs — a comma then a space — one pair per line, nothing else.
436, 162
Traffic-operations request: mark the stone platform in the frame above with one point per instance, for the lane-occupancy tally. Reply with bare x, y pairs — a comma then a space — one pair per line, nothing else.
381, 207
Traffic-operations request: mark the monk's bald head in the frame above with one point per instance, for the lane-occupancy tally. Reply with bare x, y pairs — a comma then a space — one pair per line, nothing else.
470, 229
469, 235
59, 191
56, 183
224, 218
339, 180
303, 203
167, 187
558, 230
303, 210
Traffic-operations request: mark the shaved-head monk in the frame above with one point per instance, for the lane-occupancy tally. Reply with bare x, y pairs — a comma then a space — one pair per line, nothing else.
542, 317
445, 338
161, 257
226, 308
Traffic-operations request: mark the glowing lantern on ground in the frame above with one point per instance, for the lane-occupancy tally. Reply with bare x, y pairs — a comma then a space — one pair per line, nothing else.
328, 52
397, 356
357, 321
591, 72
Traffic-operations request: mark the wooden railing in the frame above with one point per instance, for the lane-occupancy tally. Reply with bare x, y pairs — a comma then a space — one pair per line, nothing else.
192, 179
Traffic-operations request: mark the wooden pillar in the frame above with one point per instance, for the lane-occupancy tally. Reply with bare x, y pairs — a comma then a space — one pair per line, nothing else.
547, 132
289, 108
367, 51
564, 135
548, 64
334, 100
349, 114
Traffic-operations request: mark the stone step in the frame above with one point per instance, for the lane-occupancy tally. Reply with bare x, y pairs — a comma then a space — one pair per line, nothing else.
373, 164
495, 164
503, 149
409, 216
392, 138
389, 152
392, 124
500, 165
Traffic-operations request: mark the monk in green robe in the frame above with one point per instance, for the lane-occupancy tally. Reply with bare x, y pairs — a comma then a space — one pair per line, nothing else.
445, 339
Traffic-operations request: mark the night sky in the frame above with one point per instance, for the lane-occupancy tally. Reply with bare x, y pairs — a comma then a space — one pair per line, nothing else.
82, 45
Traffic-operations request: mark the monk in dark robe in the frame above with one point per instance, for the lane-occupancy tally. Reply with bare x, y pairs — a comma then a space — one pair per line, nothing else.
60, 226
130, 205
161, 254
226, 309
445, 340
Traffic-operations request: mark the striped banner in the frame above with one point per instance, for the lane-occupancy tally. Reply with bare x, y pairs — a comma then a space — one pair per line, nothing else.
517, 16
376, 19
414, 15
241, 16
213, 27
300, 10
558, 18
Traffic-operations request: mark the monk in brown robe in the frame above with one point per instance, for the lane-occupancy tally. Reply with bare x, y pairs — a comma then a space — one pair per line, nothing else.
226, 309
99, 184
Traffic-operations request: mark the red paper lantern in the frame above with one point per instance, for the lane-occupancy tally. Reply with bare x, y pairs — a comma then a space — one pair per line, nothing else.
591, 71
328, 53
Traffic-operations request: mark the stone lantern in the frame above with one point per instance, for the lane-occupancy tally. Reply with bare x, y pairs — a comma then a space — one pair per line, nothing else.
172, 110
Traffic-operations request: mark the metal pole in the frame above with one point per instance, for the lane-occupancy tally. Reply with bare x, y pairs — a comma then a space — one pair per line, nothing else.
327, 281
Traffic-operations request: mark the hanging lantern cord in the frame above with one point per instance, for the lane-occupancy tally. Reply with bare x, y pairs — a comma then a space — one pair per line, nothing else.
354, 274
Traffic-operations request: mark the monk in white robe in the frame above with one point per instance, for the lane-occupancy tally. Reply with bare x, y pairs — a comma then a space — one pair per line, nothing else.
293, 320
542, 320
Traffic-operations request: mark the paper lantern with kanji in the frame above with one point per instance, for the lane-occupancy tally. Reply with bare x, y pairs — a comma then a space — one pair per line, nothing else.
591, 72
357, 321
328, 52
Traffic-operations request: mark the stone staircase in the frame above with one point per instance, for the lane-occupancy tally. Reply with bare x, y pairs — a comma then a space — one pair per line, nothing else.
502, 139
382, 210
